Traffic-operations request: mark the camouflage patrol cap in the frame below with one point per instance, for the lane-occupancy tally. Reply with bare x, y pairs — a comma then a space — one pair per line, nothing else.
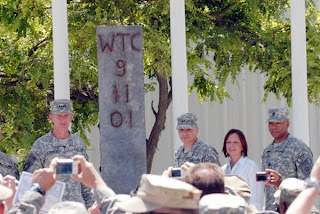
61, 106
219, 203
289, 189
278, 114
187, 121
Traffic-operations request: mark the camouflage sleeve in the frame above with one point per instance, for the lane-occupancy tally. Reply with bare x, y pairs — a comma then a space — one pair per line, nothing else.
304, 162
86, 192
87, 196
30, 203
33, 162
16, 171
211, 156
176, 161
103, 196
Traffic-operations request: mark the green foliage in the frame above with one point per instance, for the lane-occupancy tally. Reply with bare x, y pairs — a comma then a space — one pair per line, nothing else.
223, 36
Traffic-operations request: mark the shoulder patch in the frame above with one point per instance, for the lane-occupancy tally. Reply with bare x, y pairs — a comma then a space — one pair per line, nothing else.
30, 160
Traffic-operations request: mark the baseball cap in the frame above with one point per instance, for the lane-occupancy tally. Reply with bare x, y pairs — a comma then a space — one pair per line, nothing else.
187, 121
278, 114
61, 106
158, 192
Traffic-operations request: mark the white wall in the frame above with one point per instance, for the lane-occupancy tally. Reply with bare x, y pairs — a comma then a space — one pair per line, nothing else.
245, 111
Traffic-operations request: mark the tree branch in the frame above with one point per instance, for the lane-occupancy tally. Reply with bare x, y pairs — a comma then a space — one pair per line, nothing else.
40, 44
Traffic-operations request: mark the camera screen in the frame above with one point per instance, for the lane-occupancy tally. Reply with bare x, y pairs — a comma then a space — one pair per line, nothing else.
176, 173
261, 176
64, 168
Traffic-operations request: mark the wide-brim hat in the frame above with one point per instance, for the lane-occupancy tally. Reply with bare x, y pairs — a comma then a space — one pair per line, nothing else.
219, 203
238, 185
158, 192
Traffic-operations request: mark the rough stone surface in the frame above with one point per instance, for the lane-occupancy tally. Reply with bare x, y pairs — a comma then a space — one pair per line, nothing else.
121, 106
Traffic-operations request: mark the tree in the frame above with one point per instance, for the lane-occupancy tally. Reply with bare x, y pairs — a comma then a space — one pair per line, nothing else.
222, 37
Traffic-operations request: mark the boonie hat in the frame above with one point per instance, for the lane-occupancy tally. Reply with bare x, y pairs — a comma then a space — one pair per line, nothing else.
219, 203
61, 106
187, 121
238, 185
278, 114
158, 192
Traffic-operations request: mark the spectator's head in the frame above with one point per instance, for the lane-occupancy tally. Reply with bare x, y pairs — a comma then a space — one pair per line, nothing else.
61, 113
68, 207
162, 194
235, 142
222, 204
288, 190
188, 129
237, 186
5, 193
278, 123
207, 177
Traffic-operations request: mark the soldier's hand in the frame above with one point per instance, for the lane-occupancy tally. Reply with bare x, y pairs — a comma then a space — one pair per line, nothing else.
167, 172
88, 175
274, 179
186, 166
315, 172
45, 177
94, 209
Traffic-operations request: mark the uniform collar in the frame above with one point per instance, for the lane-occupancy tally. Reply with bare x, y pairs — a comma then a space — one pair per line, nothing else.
190, 153
62, 142
282, 145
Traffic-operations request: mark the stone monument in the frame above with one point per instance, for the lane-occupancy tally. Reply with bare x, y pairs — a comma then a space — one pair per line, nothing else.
121, 106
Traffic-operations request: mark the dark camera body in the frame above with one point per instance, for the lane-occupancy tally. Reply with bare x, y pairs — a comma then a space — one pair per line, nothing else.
262, 176
176, 173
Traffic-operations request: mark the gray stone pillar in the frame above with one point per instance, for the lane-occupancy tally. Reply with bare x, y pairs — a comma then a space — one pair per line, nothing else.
121, 106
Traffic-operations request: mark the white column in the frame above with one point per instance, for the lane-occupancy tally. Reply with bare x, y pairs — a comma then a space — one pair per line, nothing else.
178, 63
299, 71
60, 50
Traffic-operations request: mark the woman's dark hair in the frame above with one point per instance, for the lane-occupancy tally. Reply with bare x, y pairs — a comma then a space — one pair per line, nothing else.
242, 140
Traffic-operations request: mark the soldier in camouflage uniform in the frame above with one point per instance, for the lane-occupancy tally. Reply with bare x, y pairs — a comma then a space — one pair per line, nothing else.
193, 149
7, 165
62, 144
286, 154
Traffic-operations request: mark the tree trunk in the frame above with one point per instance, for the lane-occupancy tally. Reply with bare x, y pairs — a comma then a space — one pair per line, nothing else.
165, 98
